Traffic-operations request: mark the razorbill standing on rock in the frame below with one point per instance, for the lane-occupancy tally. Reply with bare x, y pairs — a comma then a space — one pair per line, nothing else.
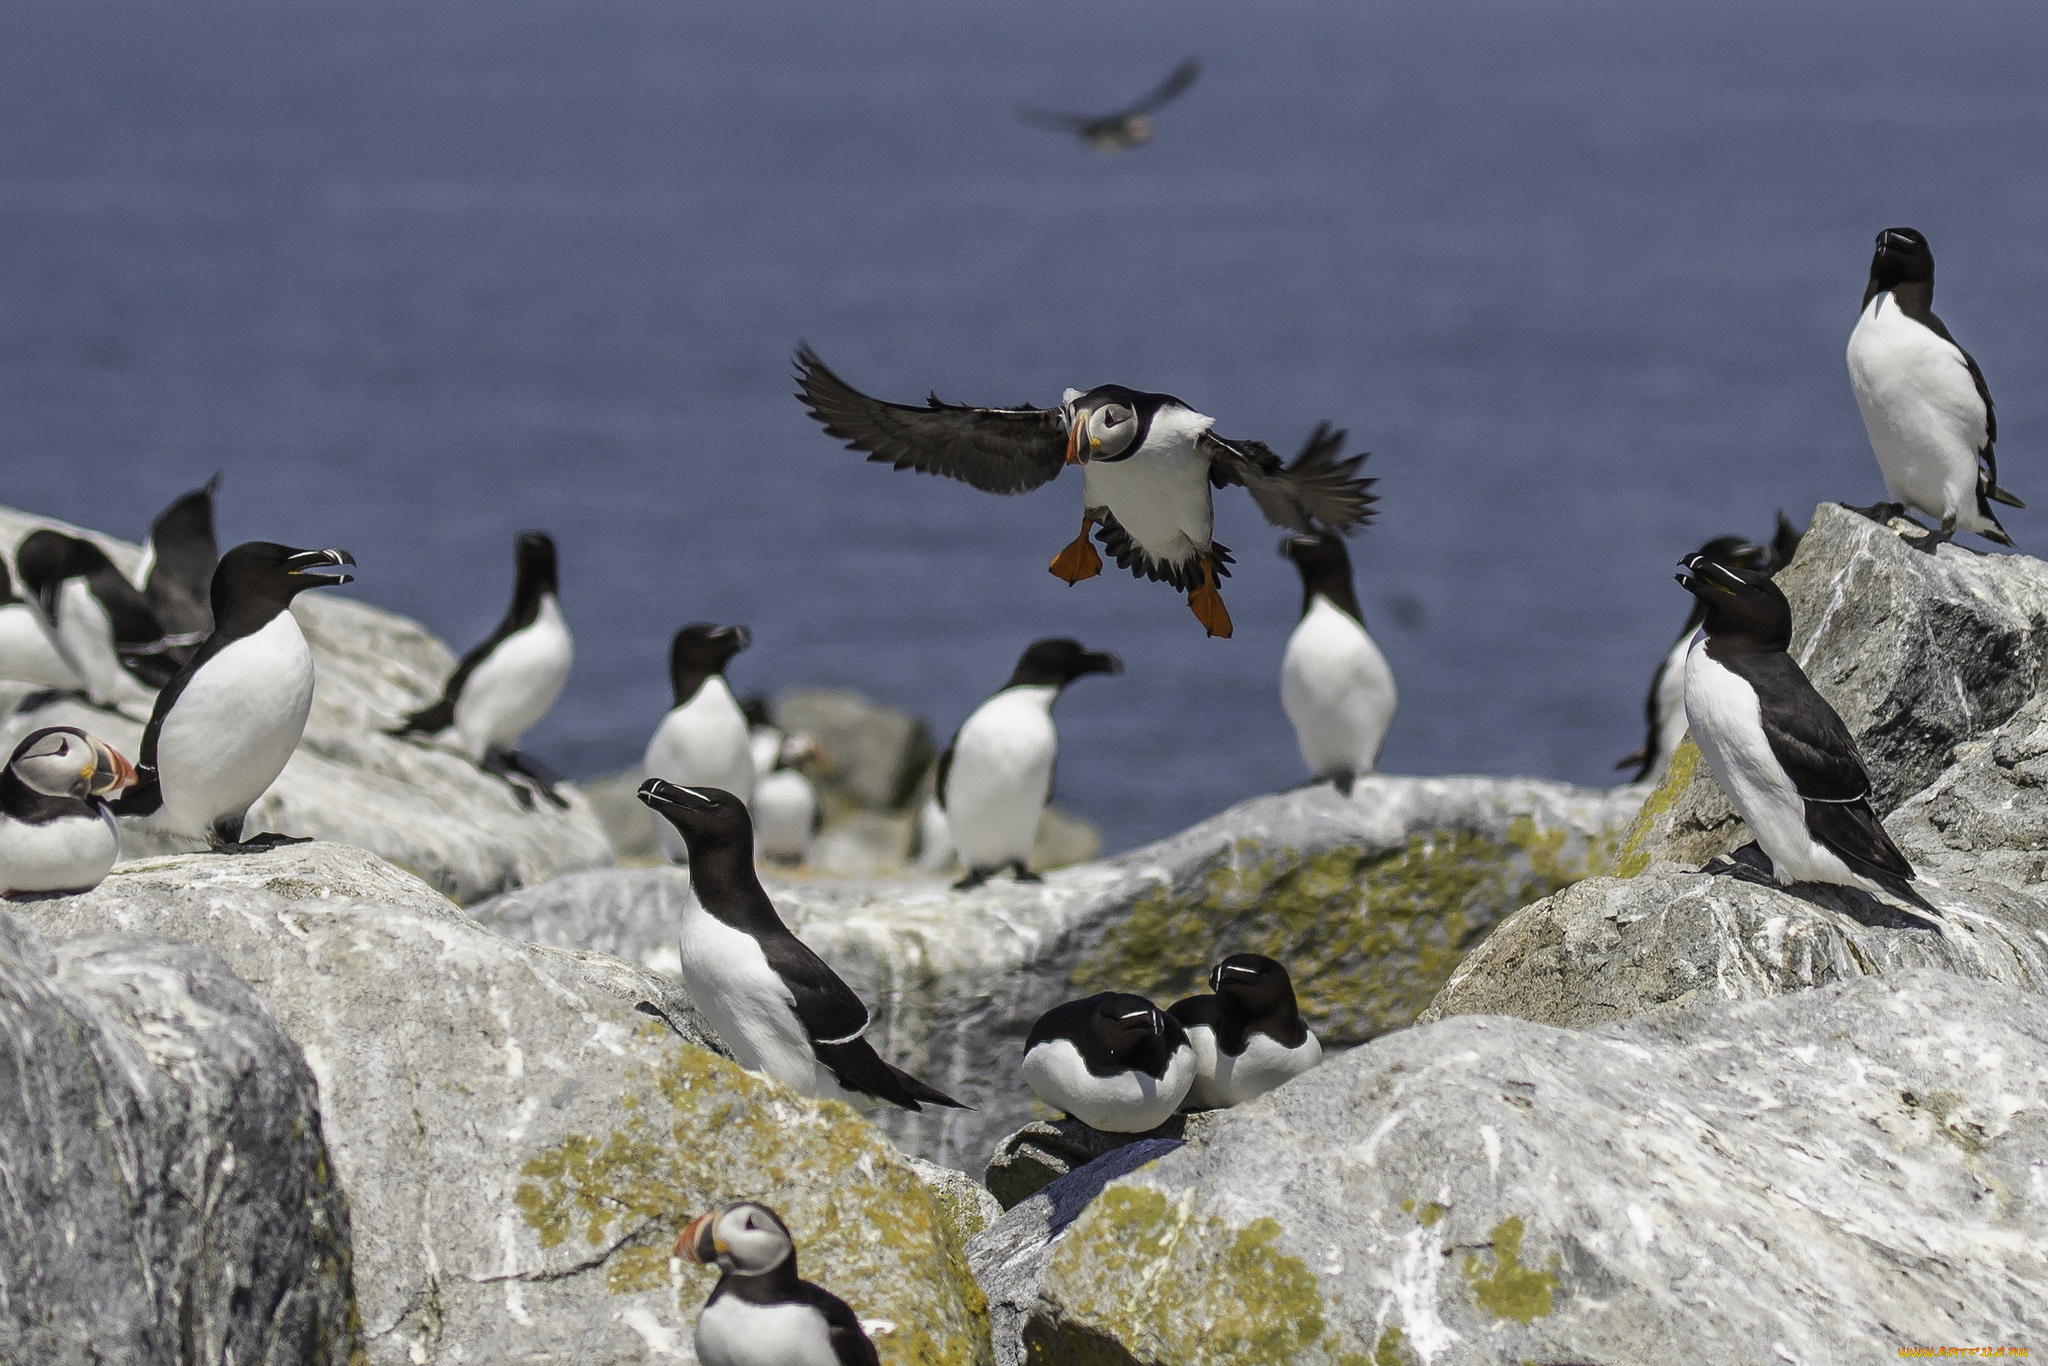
97, 620
1248, 1037
1131, 126
1148, 461
176, 573
505, 685
26, 652
1334, 683
1924, 401
1780, 752
760, 1313
787, 812
1664, 708
1114, 1061
56, 834
223, 729
704, 741
995, 778
779, 1009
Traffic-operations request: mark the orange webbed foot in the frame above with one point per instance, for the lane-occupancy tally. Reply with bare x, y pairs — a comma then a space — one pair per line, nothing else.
1078, 561
1207, 604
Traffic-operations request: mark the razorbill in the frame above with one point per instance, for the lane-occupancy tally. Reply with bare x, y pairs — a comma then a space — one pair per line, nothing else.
995, 778
1248, 1037
1114, 1061
97, 620
1664, 708
505, 685
56, 834
1334, 683
1924, 400
760, 1313
779, 1009
176, 573
223, 729
1131, 126
787, 812
764, 737
1780, 752
704, 741
27, 654
1147, 460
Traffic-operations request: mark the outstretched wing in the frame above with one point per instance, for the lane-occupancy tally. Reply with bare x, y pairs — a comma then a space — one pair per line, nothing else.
1318, 489
1053, 121
1179, 79
997, 450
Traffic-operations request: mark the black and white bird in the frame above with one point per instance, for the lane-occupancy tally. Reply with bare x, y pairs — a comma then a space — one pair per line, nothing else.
223, 729
761, 1313
995, 778
1924, 400
176, 573
776, 1004
1248, 1035
787, 812
763, 735
1780, 752
1148, 461
504, 686
1114, 1061
27, 654
1131, 126
56, 834
97, 620
1334, 683
1664, 707
705, 740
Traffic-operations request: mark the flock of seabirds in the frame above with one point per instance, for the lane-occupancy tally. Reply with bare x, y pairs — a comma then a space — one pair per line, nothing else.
208, 651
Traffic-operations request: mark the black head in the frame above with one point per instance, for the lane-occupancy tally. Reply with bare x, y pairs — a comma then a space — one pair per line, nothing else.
708, 818
1735, 552
1057, 661
1902, 257
258, 579
754, 706
701, 650
7, 593
1784, 543
1251, 986
1110, 422
1745, 611
1129, 1031
1325, 568
46, 558
534, 553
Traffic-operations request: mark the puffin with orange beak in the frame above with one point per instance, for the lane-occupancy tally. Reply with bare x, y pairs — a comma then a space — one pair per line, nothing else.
761, 1313
56, 833
1148, 464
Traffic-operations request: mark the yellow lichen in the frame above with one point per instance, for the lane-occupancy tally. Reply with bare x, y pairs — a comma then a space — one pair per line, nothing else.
1634, 856
1390, 1350
1511, 1291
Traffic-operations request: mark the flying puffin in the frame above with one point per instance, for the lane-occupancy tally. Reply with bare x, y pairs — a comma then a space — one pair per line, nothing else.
761, 1313
995, 778
56, 834
1780, 752
223, 729
503, 687
176, 573
1128, 127
1114, 1061
97, 620
704, 741
1924, 401
787, 812
1664, 707
26, 652
1148, 461
1248, 1036
776, 1004
1334, 683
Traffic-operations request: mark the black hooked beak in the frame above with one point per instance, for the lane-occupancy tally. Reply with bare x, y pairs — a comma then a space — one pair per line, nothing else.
320, 566
1892, 237
1102, 662
1290, 544
1706, 573
661, 795
735, 633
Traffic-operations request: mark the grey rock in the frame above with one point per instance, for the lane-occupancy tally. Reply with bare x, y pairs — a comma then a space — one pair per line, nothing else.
1986, 817
1371, 902
874, 753
519, 1140
1816, 1178
167, 1194
427, 809
1045, 1150
965, 1202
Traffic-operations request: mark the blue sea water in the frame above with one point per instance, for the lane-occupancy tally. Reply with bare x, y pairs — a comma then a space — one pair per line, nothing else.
415, 274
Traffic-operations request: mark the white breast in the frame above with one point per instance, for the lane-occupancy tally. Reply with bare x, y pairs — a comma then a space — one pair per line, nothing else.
512, 689
71, 853
785, 806
231, 731
1337, 691
1921, 409
740, 996
1160, 494
26, 654
703, 743
767, 745
1671, 721
84, 637
1126, 1103
1264, 1064
1002, 771
733, 1332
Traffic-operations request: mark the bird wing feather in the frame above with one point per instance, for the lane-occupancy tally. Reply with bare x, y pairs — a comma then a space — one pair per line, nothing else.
1177, 80
828, 1008
1318, 488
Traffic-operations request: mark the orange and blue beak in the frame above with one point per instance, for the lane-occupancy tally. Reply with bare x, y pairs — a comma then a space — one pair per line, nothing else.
697, 1243
110, 771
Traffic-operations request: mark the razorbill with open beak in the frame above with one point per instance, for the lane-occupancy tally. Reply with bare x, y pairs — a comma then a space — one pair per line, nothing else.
1924, 401
1131, 126
776, 1004
503, 687
1664, 707
761, 1313
223, 729
176, 573
787, 812
1247, 1035
1114, 1061
995, 778
1334, 683
704, 741
1147, 460
56, 834
26, 652
1780, 752
97, 620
